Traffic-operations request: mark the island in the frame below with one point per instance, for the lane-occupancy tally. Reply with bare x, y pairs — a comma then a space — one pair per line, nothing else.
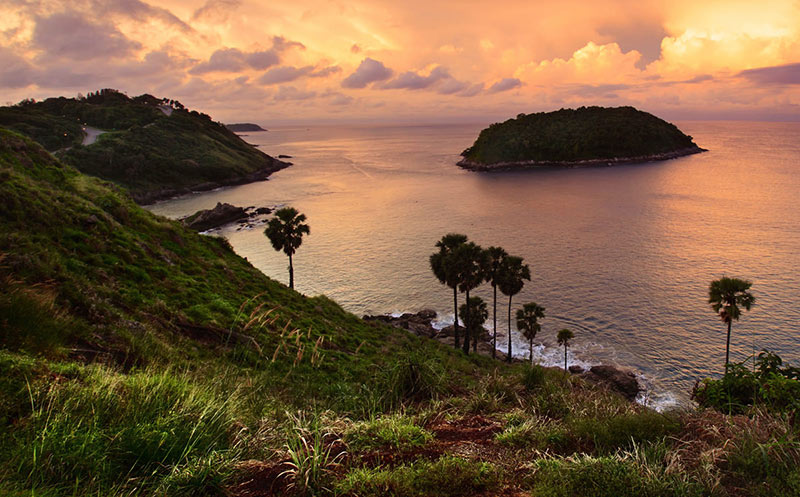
583, 137
244, 127
155, 148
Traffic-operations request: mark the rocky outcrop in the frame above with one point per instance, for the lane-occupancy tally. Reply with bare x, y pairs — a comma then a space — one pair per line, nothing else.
213, 218
223, 214
419, 323
616, 379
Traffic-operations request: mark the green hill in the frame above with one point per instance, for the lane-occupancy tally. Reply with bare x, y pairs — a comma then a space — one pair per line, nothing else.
574, 137
153, 147
139, 358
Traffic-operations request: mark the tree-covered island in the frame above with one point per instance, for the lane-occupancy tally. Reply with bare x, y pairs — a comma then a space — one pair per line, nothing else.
587, 136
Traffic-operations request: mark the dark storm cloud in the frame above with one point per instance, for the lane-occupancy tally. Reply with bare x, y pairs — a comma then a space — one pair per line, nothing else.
369, 71
292, 93
505, 84
284, 74
788, 74
413, 81
72, 36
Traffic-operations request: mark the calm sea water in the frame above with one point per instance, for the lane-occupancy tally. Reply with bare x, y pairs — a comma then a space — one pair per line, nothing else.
623, 255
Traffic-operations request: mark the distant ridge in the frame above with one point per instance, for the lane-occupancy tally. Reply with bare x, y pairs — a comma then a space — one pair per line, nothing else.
241, 127
583, 137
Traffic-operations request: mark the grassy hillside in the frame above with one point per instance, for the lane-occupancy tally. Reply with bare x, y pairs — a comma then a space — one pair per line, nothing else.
577, 134
150, 153
138, 358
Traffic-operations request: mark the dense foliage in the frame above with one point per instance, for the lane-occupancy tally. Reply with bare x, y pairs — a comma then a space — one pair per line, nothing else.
768, 385
150, 153
577, 134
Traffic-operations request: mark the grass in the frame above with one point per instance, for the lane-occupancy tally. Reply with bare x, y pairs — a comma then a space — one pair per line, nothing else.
447, 476
396, 432
607, 476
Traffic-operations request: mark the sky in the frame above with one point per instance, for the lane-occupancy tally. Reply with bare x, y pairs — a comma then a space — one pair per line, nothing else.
308, 61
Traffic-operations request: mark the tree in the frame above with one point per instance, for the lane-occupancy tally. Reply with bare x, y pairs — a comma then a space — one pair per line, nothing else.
286, 231
470, 261
475, 309
564, 336
494, 257
444, 267
528, 323
510, 281
726, 296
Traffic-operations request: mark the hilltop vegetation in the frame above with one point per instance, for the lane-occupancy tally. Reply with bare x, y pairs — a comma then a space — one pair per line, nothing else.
155, 148
139, 358
568, 136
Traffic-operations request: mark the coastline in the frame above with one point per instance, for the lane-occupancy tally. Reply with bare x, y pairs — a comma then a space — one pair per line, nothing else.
613, 161
153, 196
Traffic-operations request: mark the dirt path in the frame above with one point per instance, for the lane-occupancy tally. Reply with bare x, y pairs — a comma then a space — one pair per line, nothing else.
91, 135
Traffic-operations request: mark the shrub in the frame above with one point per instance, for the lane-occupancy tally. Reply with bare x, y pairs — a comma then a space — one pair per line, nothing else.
533, 377
769, 386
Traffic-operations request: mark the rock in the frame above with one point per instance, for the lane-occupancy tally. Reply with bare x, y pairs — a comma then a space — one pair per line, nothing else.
213, 218
623, 382
427, 314
262, 211
576, 369
282, 156
419, 323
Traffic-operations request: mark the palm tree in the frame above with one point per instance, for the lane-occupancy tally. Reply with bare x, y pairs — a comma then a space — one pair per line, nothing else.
477, 313
528, 323
286, 231
444, 267
470, 260
510, 281
494, 256
726, 296
564, 336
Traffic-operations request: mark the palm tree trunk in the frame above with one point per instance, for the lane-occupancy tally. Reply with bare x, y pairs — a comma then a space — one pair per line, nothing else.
291, 273
467, 327
508, 359
455, 314
530, 350
494, 323
728, 346
565, 357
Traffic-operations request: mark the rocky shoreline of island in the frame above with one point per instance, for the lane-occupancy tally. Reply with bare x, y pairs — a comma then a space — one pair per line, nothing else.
602, 162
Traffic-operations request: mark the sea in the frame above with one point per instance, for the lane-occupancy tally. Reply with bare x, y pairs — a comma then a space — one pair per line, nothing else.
623, 255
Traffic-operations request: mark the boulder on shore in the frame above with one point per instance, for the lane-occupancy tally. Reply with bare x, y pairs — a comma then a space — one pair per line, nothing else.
213, 218
622, 382
419, 323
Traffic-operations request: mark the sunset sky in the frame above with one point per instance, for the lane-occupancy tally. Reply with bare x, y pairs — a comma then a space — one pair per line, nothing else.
411, 61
